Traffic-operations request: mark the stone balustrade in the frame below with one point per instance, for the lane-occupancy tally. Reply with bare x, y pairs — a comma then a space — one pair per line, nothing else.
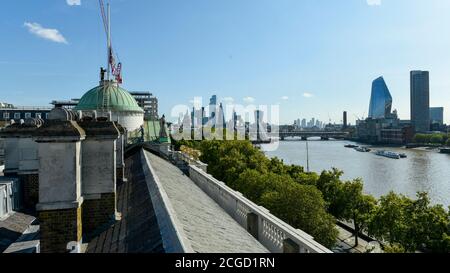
276, 235
180, 156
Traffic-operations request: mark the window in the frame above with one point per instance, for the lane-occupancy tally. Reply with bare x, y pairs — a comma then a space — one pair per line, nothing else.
38, 115
46, 115
6, 115
16, 115
27, 115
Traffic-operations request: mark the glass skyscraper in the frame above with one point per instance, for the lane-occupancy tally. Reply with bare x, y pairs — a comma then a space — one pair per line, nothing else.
437, 115
420, 100
380, 100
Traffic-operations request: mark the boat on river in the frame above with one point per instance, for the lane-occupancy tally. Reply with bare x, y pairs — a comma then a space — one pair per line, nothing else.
351, 146
388, 154
363, 149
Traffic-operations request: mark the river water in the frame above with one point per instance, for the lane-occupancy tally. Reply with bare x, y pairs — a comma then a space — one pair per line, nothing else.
423, 170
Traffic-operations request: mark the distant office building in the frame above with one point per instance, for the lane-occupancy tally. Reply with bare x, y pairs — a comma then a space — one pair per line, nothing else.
298, 123
148, 103
389, 130
69, 104
437, 115
259, 116
260, 126
304, 123
213, 106
380, 100
6, 105
221, 116
344, 119
197, 116
213, 100
420, 100
10, 112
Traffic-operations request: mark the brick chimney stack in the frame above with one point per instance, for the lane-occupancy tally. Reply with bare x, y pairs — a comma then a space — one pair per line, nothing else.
99, 172
60, 199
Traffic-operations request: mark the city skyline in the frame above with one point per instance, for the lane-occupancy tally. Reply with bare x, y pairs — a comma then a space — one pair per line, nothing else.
262, 57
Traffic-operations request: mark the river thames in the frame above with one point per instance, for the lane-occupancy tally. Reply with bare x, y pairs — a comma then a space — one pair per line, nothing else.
423, 170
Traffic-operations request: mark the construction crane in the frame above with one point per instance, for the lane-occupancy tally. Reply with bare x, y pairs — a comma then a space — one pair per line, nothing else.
112, 67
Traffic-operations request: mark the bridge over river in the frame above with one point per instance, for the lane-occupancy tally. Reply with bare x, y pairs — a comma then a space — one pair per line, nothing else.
304, 135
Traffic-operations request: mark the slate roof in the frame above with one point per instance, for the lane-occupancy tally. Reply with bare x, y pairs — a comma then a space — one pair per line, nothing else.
137, 231
208, 228
12, 228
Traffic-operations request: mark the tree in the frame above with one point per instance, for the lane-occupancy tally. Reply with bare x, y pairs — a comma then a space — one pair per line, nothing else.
436, 139
358, 206
302, 207
445, 138
422, 138
388, 223
330, 185
427, 225
411, 224
448, 142
394, 248
254, 185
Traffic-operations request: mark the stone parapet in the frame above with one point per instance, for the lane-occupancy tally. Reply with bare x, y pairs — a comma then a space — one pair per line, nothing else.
173, 236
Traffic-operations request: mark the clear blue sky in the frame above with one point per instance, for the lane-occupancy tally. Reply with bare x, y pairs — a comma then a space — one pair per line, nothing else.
274, 51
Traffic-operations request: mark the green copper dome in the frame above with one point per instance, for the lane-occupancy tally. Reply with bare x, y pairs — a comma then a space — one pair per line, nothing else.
110, 97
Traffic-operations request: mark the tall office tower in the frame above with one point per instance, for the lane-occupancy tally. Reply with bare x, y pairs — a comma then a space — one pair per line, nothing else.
420, 100
380, 100
304, 123
213, 106
259, 115
345, 119
221, 117
437, 115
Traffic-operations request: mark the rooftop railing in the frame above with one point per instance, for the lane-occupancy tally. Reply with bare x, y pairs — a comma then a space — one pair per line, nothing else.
27, 108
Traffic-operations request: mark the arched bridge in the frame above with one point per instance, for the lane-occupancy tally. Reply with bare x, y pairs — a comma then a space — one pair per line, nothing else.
324, 135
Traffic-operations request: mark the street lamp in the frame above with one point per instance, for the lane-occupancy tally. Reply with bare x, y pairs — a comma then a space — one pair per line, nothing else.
307, 156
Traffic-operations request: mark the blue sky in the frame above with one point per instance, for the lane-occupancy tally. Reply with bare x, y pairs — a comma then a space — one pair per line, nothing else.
315, 58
